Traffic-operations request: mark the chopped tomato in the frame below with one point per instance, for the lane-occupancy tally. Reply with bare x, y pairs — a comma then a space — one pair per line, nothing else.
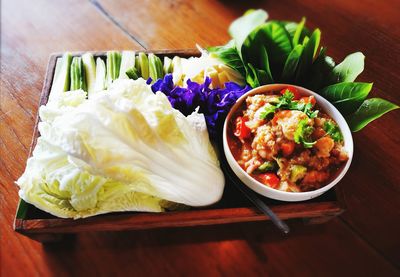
309, 99
287, 148
269, 179
293, 90
242, 131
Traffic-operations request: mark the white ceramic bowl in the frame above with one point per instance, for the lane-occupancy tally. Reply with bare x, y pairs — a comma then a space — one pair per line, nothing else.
262, 189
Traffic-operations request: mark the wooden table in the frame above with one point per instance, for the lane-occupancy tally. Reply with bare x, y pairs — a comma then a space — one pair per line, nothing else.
364, 241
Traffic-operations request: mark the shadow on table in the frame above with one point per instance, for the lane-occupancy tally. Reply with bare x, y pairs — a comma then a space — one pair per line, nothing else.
107, 250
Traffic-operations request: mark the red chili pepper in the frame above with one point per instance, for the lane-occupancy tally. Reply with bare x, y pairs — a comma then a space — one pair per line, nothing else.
296, 94
242, 131
269, 179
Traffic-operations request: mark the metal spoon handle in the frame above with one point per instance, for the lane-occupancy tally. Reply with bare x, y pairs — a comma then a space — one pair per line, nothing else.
252, 196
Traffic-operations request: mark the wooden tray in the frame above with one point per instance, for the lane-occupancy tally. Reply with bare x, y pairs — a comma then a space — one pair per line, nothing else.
233, 207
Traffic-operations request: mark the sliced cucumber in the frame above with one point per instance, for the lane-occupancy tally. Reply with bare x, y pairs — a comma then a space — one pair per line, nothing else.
100, 75
159, 67
137, 65
127, 61
144, 65
132, 73
152, 67
77, 74
61, 79
89, 67
167, 65
113, 66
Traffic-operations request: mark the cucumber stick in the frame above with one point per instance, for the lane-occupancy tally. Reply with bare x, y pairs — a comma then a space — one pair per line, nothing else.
89, 67
127, 62
113, 66
137, 65
159, 66
61, 79
132, 73
167, 65
144, 66
100, 75
78, 80
155, 67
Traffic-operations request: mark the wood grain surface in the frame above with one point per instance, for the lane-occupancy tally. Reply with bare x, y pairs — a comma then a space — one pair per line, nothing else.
364, 241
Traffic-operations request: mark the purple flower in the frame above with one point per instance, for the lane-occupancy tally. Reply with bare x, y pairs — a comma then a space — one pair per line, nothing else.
213, 103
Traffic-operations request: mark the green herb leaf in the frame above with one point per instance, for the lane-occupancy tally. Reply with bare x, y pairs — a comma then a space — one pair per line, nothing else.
346, 97
369, 110
268, 111
286, 102
348, 69
333, 130
303, 133
244, 25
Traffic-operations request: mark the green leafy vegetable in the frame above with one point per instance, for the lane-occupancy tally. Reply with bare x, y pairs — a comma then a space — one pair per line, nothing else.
287, 52
292, 61
299, 31
307, 56
242, 27
303, 133
347, 97
369, 110
320, 69
229, 55
333, 130
94, 157
349, 69
274, 39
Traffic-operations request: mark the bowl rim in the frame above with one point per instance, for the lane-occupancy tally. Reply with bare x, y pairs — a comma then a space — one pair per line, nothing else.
296, 196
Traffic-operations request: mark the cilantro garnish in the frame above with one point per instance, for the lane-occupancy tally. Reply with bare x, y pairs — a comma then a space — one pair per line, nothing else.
268, 111
286, 103
303, 133
333, 131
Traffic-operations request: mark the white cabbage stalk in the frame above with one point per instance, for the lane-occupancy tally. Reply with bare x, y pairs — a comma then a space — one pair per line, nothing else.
126, 149
198, 68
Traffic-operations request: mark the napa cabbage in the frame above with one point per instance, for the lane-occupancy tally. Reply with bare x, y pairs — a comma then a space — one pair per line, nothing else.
125, 149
